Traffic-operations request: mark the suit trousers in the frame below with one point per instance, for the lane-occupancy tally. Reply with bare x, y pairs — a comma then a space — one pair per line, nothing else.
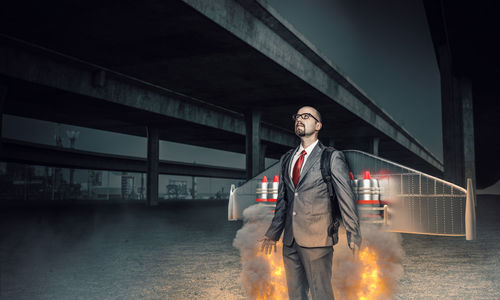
308, 268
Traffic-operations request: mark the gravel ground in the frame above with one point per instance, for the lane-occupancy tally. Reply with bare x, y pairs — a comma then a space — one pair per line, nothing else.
184, 251
451, 267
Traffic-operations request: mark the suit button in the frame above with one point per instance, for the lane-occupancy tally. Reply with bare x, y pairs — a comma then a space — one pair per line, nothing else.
294, 213
296, 194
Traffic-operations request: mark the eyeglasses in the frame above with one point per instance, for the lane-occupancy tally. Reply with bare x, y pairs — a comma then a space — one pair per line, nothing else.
304, 116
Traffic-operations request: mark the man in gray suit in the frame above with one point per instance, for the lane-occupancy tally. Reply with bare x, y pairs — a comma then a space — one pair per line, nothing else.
304, 211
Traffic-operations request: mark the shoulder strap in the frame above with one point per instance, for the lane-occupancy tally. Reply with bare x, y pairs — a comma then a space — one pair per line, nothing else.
326, 170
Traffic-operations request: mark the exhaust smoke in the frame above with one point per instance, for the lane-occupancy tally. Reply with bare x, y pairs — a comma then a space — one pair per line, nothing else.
373, 274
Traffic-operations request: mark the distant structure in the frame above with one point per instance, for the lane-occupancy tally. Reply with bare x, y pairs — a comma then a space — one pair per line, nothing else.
176, 189
128, 187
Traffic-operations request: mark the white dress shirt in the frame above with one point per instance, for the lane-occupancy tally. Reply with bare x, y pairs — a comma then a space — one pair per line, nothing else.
309, 149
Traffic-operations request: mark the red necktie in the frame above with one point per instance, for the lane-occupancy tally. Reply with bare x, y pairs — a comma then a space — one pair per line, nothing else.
296, 168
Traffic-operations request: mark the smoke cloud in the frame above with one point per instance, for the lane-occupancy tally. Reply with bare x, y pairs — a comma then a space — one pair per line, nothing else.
262, 276
374, 273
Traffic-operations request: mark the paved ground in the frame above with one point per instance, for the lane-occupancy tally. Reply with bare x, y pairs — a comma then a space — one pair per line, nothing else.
184, 251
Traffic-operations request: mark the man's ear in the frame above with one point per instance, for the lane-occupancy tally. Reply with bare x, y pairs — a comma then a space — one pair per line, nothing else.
318, 126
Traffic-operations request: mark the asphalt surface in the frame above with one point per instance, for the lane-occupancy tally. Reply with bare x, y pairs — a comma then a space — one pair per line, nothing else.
184, 251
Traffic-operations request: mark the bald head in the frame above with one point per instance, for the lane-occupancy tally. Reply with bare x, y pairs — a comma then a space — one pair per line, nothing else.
307, 126
309, 109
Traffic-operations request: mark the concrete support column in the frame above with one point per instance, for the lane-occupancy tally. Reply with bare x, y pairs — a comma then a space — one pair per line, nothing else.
193, 187
153, 158
3, 99
331, 142
458, 123
452, 121
468, 131
252, 143
262, 160
374, 142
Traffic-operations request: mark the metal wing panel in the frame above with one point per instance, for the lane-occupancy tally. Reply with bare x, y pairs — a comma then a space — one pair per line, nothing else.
417, 202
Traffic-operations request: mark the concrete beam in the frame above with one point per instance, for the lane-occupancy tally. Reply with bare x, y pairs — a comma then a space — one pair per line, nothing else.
36, 154
48, 68
260, 26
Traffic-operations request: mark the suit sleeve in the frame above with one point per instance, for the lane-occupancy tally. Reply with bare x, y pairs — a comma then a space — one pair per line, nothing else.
278, 223
346, 198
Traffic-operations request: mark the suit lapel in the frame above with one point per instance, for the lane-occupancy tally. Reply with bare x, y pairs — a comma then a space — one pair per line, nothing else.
287, 174
313, 157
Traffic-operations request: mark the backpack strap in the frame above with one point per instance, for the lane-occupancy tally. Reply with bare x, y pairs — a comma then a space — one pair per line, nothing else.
326, 171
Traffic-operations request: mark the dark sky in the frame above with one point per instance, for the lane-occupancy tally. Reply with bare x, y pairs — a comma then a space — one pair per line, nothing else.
385, 47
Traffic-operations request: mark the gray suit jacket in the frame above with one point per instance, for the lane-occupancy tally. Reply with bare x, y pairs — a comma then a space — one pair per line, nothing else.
305, 212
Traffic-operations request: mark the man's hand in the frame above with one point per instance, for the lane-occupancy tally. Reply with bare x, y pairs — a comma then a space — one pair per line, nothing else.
355, 249
267, 245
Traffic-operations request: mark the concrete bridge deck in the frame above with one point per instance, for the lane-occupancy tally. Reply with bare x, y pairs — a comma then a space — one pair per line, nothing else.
200, 71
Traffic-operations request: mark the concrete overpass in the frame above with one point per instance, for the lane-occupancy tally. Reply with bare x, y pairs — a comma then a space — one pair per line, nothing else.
35, 154
220, 74
468, 58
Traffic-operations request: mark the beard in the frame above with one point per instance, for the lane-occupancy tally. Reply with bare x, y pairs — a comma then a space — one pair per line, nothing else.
300, 130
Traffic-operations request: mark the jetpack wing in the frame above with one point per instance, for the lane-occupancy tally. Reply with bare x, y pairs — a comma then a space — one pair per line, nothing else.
416, 202
399, 198
245, 195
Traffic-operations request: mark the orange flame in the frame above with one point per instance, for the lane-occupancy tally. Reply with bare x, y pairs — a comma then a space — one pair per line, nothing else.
369, 281
372, 285
275, 286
